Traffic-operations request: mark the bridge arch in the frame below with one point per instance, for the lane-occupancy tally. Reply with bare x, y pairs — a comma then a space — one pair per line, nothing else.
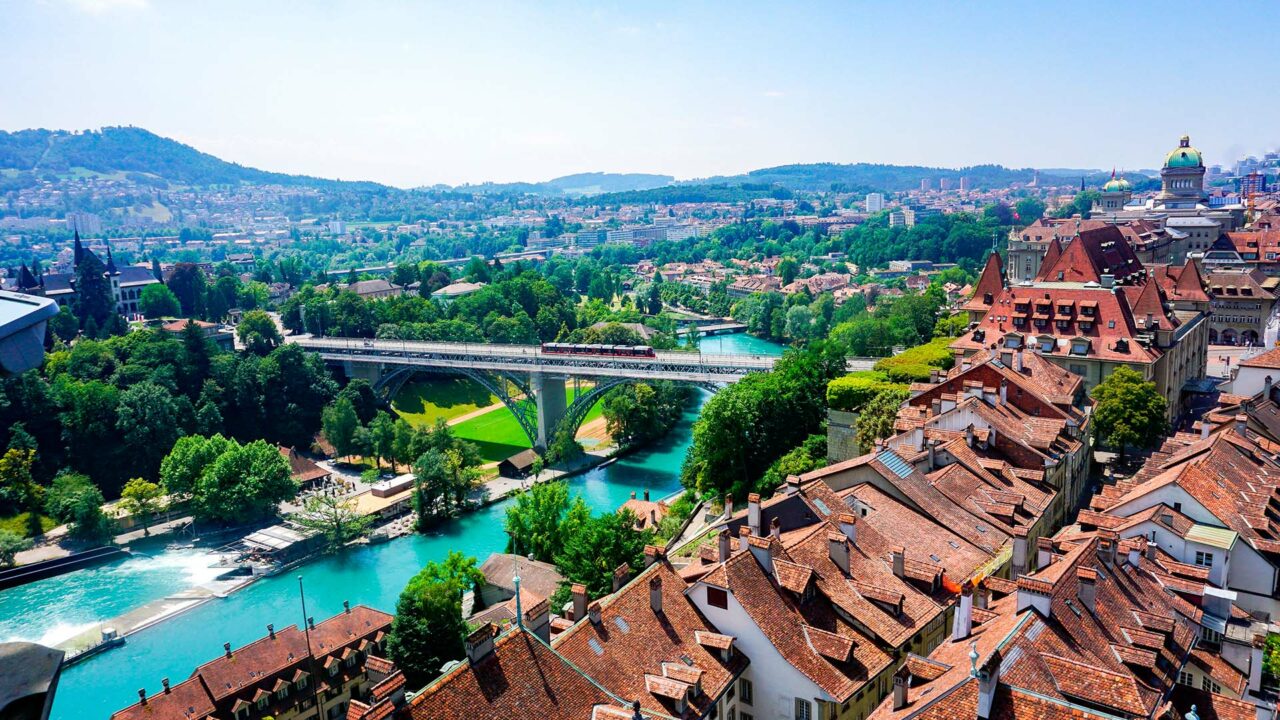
523, 404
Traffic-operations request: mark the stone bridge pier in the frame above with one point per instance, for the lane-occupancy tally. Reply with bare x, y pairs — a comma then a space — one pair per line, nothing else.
549, 393
367, 371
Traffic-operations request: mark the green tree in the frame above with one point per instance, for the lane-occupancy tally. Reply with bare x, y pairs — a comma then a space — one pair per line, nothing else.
65, 325
595, 547
1029, 210
428, 629
94, 303
188, 459
382, 434
787, 270
245, 482
430, 487
18, 489
258, 332
334, 517
148, 421
143, 499
875, 422
339, 424
75, 500
11, 544
158, 301
189, 285
1129, 411
533, 521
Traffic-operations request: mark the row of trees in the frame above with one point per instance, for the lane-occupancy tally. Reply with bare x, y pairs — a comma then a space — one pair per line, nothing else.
112, 409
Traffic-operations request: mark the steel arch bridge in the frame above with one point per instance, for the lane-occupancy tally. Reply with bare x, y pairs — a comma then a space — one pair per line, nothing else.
529, 382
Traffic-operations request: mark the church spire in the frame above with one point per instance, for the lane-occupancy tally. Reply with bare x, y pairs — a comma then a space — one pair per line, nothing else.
78, 253
26, 281
111, 263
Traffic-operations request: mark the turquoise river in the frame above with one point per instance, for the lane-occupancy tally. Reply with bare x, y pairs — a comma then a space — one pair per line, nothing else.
57, 608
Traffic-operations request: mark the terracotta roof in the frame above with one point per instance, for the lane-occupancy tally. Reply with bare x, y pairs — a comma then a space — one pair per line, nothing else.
302, 468
1091, 254
990, 283
521, 675
632, 644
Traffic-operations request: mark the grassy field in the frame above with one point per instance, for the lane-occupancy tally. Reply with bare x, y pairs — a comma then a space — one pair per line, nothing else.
425, 401
18, 524
499, 436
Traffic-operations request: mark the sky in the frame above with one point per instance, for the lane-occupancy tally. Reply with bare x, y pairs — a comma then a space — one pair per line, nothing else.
418, 93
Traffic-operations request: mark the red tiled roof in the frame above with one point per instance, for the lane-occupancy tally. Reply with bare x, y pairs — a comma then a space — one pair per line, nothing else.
521, 675
990, 283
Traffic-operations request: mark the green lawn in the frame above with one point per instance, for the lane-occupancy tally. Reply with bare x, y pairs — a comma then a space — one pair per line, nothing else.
18, 524
422, 402
499, 436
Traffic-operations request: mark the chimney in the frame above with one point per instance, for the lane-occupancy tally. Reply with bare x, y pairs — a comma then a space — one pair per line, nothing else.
1108, 542
1044, 552
1004, 392
652, 554
165, 682
988, 681
1204, 428
633, 494
537, 620
579, 593
898, 556
936, 406
1019, 559
1266, 388
593, 612
838, 546
480, 643
753, 513
1017, 361
793, 485
900, 680
271, 631
646, 495
849, 526
1149, 549
653, 516
775, 529
722, 541
968, 435
655, 594
1242, 423
933, 376
346, 607
962, 625
1137, 547
311, 623
728, 506
744, 532
1033, 593
227, 647
933, 454
1087, 587
982, 596
620, 575
1255, 663
142, 693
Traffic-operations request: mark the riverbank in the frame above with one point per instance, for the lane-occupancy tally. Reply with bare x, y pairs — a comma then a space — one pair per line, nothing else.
372, 575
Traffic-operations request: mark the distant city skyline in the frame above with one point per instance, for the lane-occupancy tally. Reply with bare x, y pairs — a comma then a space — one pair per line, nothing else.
415, 94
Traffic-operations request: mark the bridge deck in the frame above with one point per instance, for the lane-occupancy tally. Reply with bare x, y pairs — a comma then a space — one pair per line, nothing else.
687, 366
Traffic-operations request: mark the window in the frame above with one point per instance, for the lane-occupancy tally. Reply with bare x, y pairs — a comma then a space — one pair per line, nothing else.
717, 597
282, 693
746, 716
302, 682
1204, 559
1209, 685
745, 689
732, 714
804, 709
262, 702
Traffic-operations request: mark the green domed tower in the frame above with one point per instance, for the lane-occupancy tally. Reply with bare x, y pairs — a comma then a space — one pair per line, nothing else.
1116, 193
1182, 177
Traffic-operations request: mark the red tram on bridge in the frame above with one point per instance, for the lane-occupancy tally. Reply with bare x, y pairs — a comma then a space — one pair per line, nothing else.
598, 350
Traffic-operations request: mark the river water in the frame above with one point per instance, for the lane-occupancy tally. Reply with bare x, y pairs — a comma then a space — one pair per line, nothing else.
55, 609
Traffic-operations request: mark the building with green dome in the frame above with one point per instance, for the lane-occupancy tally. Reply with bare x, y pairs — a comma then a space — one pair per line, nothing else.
1182, 178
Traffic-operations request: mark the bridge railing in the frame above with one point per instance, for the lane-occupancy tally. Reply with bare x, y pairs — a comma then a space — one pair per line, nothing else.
528, 354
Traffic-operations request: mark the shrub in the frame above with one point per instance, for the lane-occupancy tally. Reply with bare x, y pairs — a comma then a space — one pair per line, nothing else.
855, 390
915, 364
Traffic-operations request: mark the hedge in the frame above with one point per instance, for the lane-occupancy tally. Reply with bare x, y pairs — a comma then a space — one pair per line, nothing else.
855, 390
915, 364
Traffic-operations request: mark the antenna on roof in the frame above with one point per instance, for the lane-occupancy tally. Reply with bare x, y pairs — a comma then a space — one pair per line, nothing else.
311, 656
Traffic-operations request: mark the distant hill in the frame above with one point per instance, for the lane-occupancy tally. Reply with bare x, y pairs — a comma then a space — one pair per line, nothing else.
134, 150
592, 183
858, 177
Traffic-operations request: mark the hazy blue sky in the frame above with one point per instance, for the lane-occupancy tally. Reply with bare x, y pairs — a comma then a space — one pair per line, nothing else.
413, 93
